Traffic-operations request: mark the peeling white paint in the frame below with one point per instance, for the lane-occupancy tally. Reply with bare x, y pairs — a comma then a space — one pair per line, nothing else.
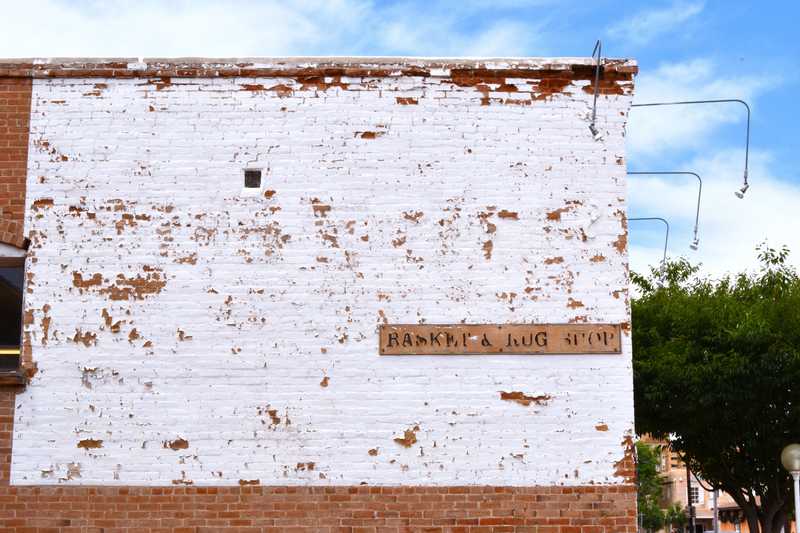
264, 296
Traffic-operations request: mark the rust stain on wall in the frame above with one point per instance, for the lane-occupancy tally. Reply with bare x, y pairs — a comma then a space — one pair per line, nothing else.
413, 216
281, 90
45, 324
190, 259
319, 82
626, 467
621, 244
484, 216
90, 443
523, 399
556, 214
320, 209
512, 215
161, 83
544, 83
574, 304
406, 100
128, 288
87, 338
409, 437
370, 134
183, 480
487, 249
177, 444
94, 281
327, 237
42, 203
124, 288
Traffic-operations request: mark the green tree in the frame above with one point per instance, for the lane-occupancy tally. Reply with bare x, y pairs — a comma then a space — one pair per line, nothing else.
650, 486
717, 373
675, 516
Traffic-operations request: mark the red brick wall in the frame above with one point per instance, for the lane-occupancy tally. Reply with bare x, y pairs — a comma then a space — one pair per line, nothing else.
588, 509
320, 509
15, 108
7, 397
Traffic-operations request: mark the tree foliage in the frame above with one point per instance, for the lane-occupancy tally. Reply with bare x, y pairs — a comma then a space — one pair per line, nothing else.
675, 517
717, 373
650, 486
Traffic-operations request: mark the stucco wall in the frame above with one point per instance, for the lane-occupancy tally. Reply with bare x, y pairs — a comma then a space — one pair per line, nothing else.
187, 330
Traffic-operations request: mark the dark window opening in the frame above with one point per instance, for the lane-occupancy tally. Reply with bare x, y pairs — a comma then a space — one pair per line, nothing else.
252, 179
12, 274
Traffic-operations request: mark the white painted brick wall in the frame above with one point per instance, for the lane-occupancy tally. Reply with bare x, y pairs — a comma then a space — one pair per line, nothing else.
266, 320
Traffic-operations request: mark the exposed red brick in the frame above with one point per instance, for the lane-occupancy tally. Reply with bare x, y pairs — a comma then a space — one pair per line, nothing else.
15, 107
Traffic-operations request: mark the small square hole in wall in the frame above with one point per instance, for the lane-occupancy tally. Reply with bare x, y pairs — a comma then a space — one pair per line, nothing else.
252, 179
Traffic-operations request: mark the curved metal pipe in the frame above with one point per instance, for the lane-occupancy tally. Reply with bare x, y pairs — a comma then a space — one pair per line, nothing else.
666, 236
696, 240
745, 185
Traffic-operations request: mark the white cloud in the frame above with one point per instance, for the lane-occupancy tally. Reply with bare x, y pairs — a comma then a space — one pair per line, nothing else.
44, 28
660, 138
730, 228
151, 28
439, 36
646, 26
655, 131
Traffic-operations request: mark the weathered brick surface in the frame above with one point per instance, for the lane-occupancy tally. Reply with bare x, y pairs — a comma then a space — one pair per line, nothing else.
212, 351
183, 327
7, 396
15, 108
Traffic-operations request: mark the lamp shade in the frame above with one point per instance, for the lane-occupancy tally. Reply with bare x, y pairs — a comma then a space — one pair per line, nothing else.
790, 457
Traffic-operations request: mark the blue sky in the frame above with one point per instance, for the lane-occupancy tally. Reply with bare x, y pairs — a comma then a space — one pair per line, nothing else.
686, 49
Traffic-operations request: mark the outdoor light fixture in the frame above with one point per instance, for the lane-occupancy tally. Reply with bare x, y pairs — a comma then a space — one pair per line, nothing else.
790, 457
745, 185
666, 235
598, 49
695, 241
595, 132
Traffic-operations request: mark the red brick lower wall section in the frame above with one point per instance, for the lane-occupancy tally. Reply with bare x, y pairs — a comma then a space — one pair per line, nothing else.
599, 509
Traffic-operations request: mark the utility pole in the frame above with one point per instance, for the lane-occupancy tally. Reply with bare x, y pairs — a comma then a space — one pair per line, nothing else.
689, 502
716, 511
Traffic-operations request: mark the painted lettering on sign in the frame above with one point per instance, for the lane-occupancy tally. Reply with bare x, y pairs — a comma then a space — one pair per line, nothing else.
476, 339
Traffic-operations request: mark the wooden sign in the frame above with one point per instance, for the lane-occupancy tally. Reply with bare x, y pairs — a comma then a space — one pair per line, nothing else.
487, 339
